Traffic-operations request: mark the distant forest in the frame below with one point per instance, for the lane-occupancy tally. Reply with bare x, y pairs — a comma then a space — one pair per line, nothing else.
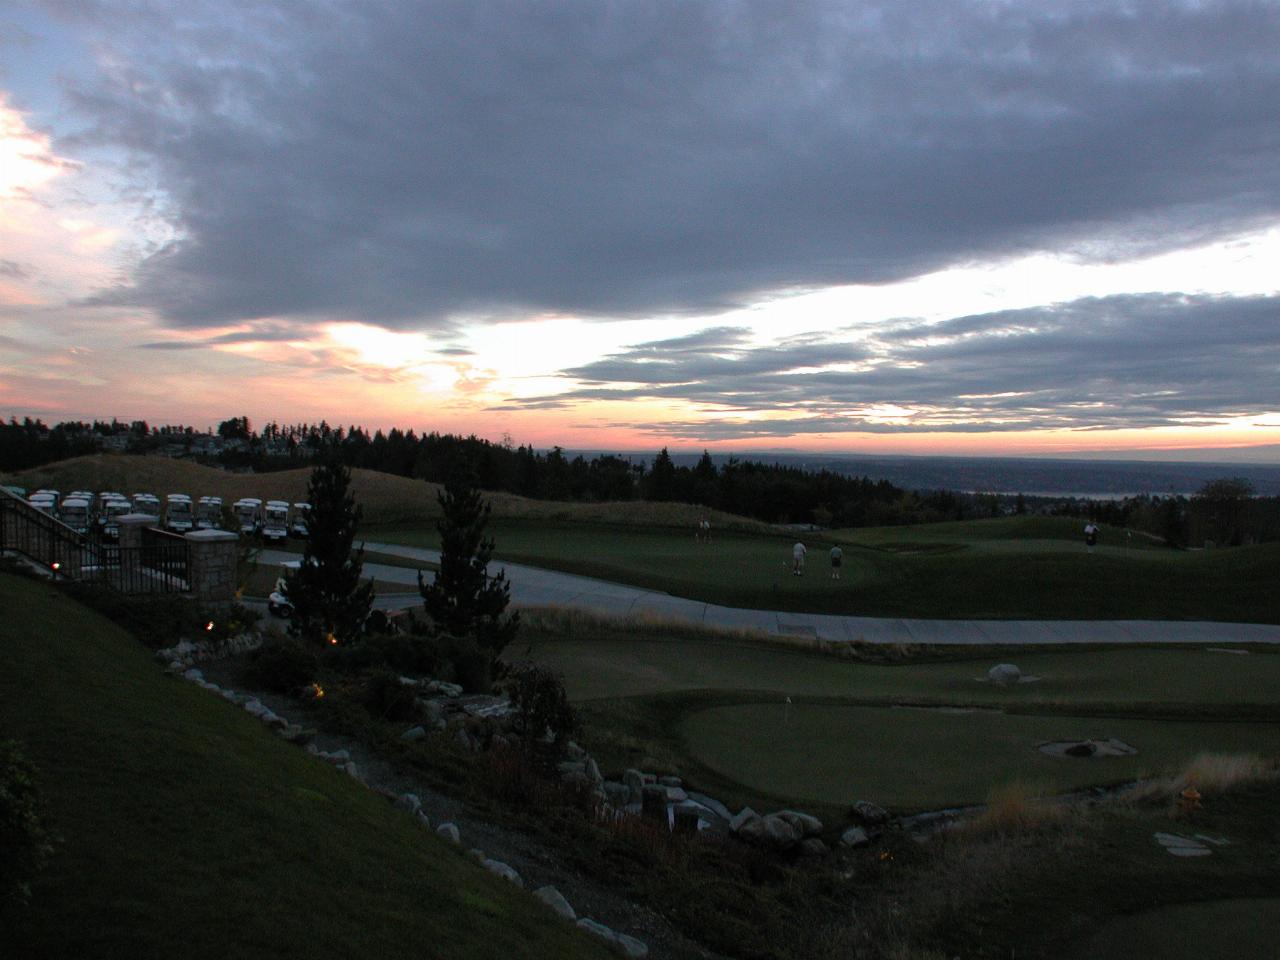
1225, 511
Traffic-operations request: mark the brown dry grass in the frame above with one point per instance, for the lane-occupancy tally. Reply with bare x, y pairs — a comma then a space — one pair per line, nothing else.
1208, 773
1012, 809
385, 498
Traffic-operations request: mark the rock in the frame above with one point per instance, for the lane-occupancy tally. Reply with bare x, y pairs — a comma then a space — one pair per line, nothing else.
408, 681
230, 696
634, 780
554, 899
567, 767
413, 733
745, 816
813, 847
631, 947
254, 708
676, 794
503, 870
337, 756
193, 674
574, 752
599, 929
752, 830
778, 834
712, 804
351, 770
592, 770
409, 802
653, 801
854, 837
618, 794
1004, 673
465, 741
685, 819
423, 819
870, 813
450, 832
476, 854
803, 824
671, 781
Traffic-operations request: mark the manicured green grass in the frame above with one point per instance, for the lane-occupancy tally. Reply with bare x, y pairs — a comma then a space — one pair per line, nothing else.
1215, 930
610, 667
920, 758
1009, 568
189, 830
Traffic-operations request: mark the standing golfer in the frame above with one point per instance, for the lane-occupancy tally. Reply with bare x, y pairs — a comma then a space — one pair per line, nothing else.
797, 559
837, 556
1091, 535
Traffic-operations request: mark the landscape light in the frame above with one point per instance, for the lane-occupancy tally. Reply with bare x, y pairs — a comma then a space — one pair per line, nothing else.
208, 626
55, 566
333, 640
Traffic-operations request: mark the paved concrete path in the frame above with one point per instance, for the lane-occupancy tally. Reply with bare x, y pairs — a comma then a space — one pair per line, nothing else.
535, 587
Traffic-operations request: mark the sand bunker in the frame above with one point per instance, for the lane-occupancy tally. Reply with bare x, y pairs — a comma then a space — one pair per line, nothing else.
1087, 748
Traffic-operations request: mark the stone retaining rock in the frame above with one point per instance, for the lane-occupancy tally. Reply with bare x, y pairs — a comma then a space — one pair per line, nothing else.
450, 832
599, 929
871, 813
413, 733
631, 947
503, 870
854, 837
803, 824
778, 833
554, 899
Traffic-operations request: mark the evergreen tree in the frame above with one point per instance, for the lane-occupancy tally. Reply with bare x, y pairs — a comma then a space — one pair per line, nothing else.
329, 602
463, 600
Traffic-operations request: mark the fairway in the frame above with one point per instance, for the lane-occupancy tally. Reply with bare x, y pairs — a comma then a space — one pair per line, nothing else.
609, 668
1010, 568
1216, 930
921, 758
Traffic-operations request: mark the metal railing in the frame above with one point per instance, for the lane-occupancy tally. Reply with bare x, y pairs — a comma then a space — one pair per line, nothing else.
160, 564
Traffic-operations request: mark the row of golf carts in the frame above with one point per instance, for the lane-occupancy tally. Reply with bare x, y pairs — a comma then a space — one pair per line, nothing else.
85, 512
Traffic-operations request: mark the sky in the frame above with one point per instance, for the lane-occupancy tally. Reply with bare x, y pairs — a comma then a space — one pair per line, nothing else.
947, 227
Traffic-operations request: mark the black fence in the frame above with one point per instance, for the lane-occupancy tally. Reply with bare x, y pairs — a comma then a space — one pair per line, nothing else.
160, 564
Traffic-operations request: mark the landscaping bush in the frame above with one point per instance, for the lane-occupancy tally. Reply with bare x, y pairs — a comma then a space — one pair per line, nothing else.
281, 666
25, 841
541, 704
387, 698
161, 620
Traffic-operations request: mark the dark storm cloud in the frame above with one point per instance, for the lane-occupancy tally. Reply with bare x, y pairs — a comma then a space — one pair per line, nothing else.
405, 163
1128, 361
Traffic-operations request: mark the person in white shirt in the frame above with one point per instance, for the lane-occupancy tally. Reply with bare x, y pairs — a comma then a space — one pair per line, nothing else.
837, 557
797, 559
1090, 535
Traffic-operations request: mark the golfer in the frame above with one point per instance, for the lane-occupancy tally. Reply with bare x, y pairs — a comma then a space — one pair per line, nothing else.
837, 557
797, 559
1090, 535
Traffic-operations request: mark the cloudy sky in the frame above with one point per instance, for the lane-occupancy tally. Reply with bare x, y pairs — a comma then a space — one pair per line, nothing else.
949, 227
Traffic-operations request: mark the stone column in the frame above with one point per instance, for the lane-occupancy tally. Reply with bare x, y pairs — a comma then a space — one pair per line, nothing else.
131, 526
211, 557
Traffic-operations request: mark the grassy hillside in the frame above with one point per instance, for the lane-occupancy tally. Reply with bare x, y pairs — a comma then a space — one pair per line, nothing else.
189, 830
385, 498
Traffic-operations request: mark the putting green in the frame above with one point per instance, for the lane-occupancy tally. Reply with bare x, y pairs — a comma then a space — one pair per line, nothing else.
1217, 930
916, 758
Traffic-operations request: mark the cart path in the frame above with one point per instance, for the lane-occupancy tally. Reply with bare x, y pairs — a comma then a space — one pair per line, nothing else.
535, 587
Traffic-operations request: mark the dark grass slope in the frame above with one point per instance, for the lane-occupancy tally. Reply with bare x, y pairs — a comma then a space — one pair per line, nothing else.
189, 830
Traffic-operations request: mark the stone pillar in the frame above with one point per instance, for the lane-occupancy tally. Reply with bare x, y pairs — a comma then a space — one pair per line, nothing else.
211, 558
131, 526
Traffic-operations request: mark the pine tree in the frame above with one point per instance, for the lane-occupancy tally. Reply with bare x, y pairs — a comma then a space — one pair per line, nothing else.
463, 600
329, 603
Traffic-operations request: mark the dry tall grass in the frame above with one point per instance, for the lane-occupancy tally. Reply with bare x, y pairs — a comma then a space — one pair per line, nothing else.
1012, 809
385, 498
1208, 773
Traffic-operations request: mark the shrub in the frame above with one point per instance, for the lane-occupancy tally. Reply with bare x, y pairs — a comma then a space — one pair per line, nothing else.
541, 704
387, 698
282, 666
25, 840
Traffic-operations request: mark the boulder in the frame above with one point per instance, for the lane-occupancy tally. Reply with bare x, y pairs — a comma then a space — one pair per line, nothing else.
870, 813
804, 824
653, 802
599, 929
671, 781
554, 899
777, 833
676, 794
254, 708
450, 832
409, 802
592, 770
193, 674
747, 815
854, 837
1004, 673
423, 819
813, 847
574, 752
686, 817
413, 733
503, 870
618, 794
634, 780
433, 710
351, 770
712, 804
476, 854
631, 947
